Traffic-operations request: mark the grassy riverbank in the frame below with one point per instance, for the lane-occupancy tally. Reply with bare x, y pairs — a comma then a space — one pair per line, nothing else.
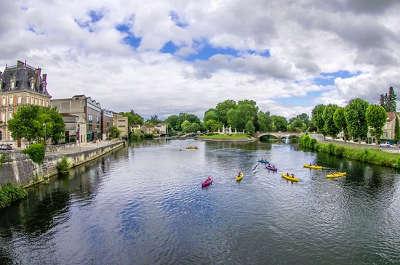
227, 137
10, 193
363, 154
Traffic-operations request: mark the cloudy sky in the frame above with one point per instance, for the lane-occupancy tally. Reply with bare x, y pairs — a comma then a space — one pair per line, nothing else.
164, 57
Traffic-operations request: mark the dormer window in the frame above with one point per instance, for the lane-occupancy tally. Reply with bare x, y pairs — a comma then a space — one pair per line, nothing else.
32, 84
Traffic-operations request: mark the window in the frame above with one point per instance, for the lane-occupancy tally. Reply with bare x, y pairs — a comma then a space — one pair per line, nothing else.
9, 115
4, 101
1, 135
3, 117
11, 100
90, 117
19, 100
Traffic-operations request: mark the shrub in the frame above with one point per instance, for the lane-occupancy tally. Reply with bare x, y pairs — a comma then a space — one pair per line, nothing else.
63, 165
135, 137
10, 193
36, 152
114, 132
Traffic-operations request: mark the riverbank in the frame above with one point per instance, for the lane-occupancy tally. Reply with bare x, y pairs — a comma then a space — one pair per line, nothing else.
359, 153
239, 137
18, 169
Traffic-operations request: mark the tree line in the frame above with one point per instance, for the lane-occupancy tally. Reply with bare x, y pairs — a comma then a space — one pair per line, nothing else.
354, 120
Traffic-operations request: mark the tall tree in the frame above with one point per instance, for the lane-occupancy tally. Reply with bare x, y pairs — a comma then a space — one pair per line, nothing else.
133, 118
330, 127
249, 128
264, 121
397, 130
392, 100
279, 123
355, 118
222, 109
376, 118
317, 117
340, 121
211, 114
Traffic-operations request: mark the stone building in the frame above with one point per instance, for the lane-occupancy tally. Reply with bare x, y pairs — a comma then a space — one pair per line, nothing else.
106, 122
75, 127
389, 127
87, 110
20, 84
121, 123
159, 129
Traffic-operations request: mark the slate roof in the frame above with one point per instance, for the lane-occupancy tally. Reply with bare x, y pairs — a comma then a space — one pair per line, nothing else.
23, 75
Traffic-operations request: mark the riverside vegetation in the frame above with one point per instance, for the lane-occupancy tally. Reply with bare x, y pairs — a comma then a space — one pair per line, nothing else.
368, 155
10, 193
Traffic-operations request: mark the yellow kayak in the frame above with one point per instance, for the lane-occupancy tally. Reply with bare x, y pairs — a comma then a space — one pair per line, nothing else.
240, 176
290, 178
336, 175
313, 166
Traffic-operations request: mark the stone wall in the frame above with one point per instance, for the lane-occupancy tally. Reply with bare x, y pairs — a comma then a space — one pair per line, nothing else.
19, 169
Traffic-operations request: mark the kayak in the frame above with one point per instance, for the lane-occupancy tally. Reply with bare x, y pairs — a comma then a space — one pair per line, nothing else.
207, 182
290, 178
336, 175
313, 166
240, 176
271, 167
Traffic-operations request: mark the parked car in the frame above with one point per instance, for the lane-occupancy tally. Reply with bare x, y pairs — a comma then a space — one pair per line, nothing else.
387, 145
5, 147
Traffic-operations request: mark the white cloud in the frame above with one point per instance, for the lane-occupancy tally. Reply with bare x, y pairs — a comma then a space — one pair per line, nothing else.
304, 38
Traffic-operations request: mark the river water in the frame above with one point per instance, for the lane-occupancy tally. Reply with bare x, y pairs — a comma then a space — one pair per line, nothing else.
144, 205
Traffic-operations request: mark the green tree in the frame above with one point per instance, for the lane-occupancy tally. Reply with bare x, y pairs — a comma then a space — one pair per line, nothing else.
397, 130
264, 121
153, 120
36, 152
355, 118
185, 126
317, 118
297, 125
222, 109
114, 132
376, 118
36, 123
173, 123
279, 123
340, 121
133, 118
211, 114
234, 119
212, 125
194, 127
330, 127
249, 128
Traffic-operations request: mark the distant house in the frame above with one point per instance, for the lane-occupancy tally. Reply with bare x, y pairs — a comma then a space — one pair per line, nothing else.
389, 127
159, 129
121, 123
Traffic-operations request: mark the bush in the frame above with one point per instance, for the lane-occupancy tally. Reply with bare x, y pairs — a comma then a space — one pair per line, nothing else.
36, 152
136, 137
10, 193
114, 132
63, 165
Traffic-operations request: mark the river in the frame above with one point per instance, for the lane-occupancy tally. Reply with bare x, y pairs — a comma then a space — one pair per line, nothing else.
144, 205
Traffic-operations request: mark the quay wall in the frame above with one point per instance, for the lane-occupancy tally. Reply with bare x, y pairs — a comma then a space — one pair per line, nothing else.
19, 169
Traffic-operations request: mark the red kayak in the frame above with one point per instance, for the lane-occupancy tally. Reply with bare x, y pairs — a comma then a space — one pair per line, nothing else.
207, 182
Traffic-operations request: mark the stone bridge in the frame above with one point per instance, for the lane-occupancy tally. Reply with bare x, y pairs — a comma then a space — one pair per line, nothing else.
278, 135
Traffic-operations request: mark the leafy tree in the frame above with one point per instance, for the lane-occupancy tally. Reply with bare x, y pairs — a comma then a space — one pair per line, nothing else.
279, 123
114, 132
317, 117
153, 120
173, 122
35, 123
305, 118
133, 118
297, 125
330, 127
212, 125
264, 121
249, 128
355, 118
340, 121
185, 126
376, 118
234, 119
211, 114
194, 127
36, 152
397, 130
222, 109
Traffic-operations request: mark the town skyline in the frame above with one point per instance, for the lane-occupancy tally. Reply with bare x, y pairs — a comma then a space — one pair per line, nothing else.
165, 58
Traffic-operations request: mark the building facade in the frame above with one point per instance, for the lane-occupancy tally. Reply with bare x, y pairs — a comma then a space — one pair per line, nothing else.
106, 122
159, 129
20, 85
121, 123
88, 112
389, 127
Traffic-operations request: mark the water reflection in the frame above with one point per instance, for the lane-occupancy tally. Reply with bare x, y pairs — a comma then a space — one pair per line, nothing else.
144, 205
